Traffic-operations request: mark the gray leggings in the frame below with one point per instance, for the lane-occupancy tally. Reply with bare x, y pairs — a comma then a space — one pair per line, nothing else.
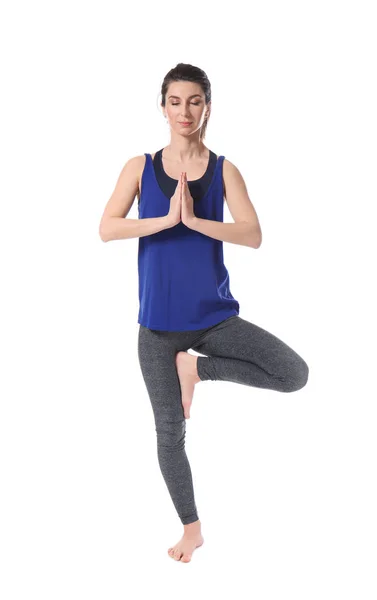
236, 350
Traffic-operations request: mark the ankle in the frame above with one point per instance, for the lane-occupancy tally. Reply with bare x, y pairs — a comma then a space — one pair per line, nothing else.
190, 527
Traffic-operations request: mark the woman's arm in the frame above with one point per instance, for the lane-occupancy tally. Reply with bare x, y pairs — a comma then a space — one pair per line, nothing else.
243, 233
246, 229
114, 225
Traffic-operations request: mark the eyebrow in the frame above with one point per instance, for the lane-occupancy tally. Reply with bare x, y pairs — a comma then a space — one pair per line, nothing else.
193, 96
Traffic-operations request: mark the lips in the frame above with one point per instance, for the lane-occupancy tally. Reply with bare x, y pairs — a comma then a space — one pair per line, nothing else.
185, 122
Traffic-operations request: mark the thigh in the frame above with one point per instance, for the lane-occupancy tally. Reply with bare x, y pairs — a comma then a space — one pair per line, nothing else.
157, 352
240, 339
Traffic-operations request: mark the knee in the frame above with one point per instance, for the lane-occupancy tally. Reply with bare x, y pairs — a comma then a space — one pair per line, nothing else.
171, 434
297, 380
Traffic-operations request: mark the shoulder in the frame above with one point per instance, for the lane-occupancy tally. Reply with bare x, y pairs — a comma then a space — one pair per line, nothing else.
231, 173
229, 167
135, 165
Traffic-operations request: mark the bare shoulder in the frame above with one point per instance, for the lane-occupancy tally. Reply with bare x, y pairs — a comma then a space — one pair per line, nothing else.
135, 165
232, 178
133, 169
230, 168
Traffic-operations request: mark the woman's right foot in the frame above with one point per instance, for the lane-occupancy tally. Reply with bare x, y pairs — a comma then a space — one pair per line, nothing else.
188, 376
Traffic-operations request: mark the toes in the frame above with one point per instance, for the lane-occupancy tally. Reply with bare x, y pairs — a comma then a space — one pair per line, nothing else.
186, 558
177, 555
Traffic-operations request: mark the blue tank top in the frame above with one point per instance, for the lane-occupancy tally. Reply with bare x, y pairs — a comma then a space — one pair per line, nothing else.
183, 282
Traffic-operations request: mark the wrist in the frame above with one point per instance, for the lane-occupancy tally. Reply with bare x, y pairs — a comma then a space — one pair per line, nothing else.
166, 222
192, 223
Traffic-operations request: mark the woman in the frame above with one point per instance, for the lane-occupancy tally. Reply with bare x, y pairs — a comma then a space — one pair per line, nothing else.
185, 299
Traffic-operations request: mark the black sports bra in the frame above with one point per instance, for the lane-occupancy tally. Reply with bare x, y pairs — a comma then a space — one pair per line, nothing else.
198, 187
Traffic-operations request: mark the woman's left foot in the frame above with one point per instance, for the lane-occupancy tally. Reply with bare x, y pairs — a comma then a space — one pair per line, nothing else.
188, 376
192, 538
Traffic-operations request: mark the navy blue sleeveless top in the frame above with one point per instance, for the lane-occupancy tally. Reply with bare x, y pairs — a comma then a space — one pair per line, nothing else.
183, 282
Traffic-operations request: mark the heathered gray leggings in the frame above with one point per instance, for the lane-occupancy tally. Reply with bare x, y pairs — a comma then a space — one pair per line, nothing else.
236, 350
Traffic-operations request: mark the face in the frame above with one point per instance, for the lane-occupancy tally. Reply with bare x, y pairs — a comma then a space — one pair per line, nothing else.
185, 102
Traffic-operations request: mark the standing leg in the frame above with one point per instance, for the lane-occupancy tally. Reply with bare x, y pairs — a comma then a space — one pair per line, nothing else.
242, 352
157, 356
156, 353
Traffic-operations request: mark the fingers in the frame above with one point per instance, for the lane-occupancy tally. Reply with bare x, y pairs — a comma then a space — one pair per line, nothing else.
182, 182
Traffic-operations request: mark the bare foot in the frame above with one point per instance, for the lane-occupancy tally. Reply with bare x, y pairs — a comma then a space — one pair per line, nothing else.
191, 539
188, 377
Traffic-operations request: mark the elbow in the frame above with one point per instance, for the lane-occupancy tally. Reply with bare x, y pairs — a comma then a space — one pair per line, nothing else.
257, 242
103, 232
102, 235
256, 238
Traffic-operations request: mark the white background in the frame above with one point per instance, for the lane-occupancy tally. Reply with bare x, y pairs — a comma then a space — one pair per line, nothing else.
284, 483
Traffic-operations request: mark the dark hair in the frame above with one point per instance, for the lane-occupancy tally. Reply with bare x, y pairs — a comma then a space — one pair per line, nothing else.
186, 72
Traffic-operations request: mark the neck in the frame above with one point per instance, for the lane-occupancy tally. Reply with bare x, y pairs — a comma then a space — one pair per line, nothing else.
184, 150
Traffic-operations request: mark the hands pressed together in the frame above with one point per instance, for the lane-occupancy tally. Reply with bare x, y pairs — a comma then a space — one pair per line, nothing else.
181, 204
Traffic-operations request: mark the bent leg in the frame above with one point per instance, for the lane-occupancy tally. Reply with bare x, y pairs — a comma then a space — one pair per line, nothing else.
242, 352
157, 361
